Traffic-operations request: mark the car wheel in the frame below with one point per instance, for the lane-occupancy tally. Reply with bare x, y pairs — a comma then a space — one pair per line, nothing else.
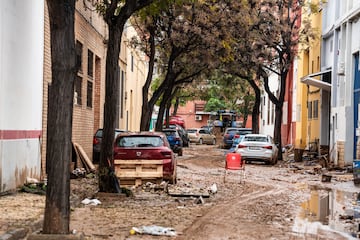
200, 141
180, 153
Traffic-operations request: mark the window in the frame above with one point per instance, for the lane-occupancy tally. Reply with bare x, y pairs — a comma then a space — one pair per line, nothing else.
272, 113
312, 66
331, 45
309, 105
318, 63
139, 141
316, 109
77, 90
89, 94
90, 63
79, 47
122, 93
268, 112
132, 63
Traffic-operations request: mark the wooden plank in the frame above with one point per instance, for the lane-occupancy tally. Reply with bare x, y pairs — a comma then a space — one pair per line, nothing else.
137, 161
137, 172
83, 156
140, 172
138, 181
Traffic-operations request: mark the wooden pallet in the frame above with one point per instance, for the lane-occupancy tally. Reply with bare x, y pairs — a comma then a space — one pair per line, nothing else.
138, 172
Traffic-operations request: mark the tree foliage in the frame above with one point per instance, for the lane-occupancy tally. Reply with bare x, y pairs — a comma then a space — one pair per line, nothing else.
185, 49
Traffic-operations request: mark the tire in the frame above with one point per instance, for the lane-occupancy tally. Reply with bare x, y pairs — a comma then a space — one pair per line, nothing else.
180, 153
200, 141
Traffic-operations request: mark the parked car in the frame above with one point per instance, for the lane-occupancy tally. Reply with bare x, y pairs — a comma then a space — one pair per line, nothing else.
236, 141
258, 148
201, 136
210, 128
97, 143
183, 134
176, 120
147, 146
233, 132
174, 139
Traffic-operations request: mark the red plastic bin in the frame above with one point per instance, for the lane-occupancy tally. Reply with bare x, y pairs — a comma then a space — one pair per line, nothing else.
233, 161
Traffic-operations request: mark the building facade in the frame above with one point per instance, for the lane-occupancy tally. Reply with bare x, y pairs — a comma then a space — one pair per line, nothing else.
21, 78
340, 54
313, 91
267, 108
25, 67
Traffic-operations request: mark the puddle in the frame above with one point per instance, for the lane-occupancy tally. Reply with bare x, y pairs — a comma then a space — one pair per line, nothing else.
331, 212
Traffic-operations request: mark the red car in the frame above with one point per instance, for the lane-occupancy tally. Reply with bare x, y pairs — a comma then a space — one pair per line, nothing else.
177, 120
147, 146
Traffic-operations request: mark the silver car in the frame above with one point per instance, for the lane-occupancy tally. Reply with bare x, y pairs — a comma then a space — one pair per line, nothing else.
201, 136
258, 148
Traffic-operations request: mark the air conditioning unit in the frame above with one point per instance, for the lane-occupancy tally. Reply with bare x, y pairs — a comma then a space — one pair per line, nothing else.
198, 117
341, 68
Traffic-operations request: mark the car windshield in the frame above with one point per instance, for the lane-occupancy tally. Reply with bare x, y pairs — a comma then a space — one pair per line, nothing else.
191, 130
99, 133
255, 139
243, 132
140, 141
231, 131
170, 133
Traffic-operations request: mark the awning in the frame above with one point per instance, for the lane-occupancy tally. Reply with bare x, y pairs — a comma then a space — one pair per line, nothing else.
310, 80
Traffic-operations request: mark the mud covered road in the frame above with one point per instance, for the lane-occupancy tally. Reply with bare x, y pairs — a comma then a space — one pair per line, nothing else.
266, 206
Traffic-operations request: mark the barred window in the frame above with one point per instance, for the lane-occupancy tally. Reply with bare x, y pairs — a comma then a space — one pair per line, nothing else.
316, 109
309, 105
89, 94
90, 63
77, 90
79, 49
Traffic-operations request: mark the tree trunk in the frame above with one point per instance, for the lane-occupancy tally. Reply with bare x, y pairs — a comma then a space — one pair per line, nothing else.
107, 180
160, 117
279, 102
165, 98
246, 111
256, 107
277, 128
176, 106
167, 112
60, 112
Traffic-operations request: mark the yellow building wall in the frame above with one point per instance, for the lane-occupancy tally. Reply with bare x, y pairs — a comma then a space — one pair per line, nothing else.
308, 129
135, 67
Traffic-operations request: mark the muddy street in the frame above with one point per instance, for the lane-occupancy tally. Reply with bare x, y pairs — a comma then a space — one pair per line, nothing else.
265, 206
269, 204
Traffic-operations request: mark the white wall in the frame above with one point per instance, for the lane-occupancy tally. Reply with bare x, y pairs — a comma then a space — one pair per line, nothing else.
265, 127
21, 78
341, 28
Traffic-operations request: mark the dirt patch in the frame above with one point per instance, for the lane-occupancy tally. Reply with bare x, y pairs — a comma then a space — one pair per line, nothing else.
264, 207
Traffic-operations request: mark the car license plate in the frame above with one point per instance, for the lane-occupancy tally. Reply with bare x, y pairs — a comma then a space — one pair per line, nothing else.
254, 148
